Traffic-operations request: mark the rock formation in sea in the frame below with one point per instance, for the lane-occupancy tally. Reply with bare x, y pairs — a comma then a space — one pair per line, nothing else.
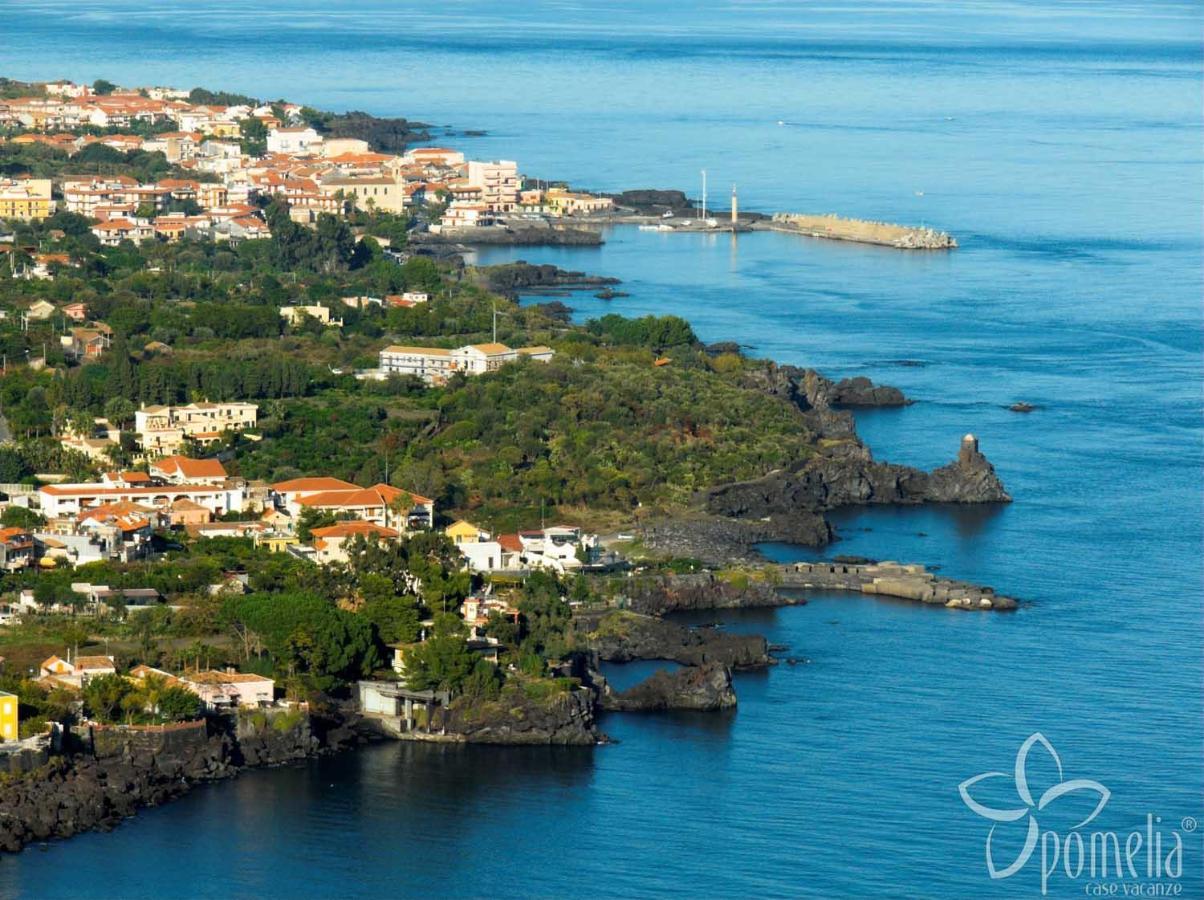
516, 717
704, 688
622, 636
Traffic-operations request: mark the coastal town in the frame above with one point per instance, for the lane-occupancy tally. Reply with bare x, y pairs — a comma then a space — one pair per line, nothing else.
229, 156
271, 451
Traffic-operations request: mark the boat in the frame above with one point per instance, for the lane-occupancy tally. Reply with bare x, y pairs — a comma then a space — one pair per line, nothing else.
651, 227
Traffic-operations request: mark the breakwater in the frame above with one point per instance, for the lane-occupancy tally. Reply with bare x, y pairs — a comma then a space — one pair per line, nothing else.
891, 579
861, 231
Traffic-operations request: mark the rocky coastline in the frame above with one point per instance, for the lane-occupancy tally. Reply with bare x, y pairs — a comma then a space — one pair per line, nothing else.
532, 235
622, 636
104, 774
565, 718
702, 688
510, 279
725, 522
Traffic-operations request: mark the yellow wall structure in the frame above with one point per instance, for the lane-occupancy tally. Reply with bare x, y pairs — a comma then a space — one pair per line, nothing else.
9, 724
26, 200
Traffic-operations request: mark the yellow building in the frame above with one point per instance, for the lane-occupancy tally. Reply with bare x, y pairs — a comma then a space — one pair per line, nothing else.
380, 192
25, 199
462, 532
9, 720
568, 203
276, 543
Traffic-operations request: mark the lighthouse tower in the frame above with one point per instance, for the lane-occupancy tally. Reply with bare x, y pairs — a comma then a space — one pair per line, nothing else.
968, 451
735, 208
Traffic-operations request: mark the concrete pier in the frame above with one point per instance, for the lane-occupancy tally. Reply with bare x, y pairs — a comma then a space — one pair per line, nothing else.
861, 231
891, 579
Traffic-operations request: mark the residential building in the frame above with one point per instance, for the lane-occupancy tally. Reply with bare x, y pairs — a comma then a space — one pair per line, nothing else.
330, 543
465, 214
367, 192
76, 673
488, 556
185, 512
114, 231
560, 548
10, 725
381, 504
40, 311
183, 470
570, 203
435, 365
434, 157
26, 199
230, 689
294, 140
462, 532
87, 343
163, 430
498, 182
287, 494
62, 500
76, 312
16, 549
298, 315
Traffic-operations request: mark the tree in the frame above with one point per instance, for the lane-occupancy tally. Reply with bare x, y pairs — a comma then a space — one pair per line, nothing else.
20, 517
103, 87
105, 695
443, 661
13, 466
307, 634
119, 410
178, 704
396, 618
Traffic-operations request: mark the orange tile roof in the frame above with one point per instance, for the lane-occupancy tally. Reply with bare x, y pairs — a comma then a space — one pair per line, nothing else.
350, 529
314, 484
94, 662
223, 677
192, 468
510, 542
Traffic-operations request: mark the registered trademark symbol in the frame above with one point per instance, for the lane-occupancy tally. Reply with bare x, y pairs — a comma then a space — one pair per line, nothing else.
1188, 824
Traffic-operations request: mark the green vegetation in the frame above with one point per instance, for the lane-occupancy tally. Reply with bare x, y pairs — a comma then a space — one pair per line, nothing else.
631, 415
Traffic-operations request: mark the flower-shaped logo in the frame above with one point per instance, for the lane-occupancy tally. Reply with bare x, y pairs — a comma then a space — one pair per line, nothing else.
1028, 811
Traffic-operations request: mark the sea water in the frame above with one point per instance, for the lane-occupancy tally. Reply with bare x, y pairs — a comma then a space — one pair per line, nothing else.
1060, 144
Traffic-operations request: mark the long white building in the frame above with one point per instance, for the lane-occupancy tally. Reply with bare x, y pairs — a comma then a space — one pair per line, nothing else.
435, 365
61, 500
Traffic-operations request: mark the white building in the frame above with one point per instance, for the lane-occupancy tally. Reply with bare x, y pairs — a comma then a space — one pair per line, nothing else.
162, 430
435, 365
294, 141
498, 182
61, 500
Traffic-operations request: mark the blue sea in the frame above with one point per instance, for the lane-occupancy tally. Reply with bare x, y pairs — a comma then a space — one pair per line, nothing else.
1060, 142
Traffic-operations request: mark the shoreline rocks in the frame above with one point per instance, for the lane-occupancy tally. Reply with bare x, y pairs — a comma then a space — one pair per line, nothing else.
108, 773
622, 636
512, 235
658, 595
702, 688
511, 278
564, 719
786, 503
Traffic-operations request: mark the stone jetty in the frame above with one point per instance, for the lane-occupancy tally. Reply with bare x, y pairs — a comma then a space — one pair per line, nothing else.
838, 228
892, 579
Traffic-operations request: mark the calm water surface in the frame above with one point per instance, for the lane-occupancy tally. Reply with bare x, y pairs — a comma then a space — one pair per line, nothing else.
1060, 142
